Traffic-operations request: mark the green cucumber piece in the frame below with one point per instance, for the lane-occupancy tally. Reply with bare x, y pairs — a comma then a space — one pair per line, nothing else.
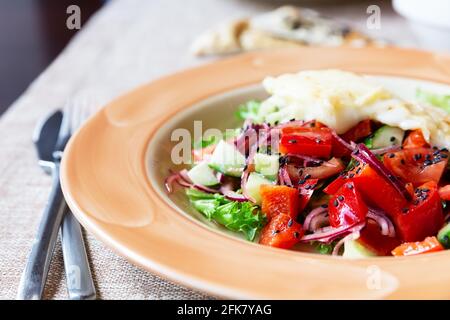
255, 180
266, 164
387, 136
203, 174
355, 250
227, 159
444, 236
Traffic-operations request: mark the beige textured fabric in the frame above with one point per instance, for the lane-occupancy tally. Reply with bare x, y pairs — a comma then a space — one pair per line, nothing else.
127, 43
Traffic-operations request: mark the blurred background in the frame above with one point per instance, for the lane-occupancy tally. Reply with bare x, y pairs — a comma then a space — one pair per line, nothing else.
33, 32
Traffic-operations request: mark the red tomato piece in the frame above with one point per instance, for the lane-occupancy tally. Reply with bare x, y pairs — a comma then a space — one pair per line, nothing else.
444, 192
347, 207
417, 165
430, 244
415, 139
327, 169
282, 232
358, 132
424, 217
372, 239
376, 191
308, 141
277, 200
361, 130
305, 191
335, 185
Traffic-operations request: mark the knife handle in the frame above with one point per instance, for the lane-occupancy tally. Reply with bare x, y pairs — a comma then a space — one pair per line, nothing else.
80, 285
33, 279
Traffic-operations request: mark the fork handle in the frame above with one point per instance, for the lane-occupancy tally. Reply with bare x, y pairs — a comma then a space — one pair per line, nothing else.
33, 279
80, 285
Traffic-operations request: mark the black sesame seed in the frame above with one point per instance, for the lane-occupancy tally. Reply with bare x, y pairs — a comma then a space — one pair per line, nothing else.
444, 156
351, 175
444, 150
428, 157
302, 181
350, 186
427, 163
296, 234
293, 119
417, 156
358, 171
405, 210
341, 198
318, 141
290, 222
276, 122
324, 206
292, 141
307, 176
393, 139
391, 155
276, 231
335, 203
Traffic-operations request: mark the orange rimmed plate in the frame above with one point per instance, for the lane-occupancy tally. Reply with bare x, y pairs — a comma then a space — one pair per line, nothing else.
114, 167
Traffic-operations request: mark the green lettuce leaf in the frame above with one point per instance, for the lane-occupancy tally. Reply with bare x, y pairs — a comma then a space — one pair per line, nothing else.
236, 216
438, 100
249, 110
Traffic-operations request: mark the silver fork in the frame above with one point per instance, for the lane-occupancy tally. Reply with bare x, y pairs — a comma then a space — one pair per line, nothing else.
79, 280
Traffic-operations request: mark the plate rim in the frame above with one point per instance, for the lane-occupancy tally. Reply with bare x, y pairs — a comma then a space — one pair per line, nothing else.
437, 74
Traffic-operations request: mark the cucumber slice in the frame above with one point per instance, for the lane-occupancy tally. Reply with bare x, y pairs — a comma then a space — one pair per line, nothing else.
444, 236
227, 159
267, 165
203, 174
387, 136
255, 180
355, 250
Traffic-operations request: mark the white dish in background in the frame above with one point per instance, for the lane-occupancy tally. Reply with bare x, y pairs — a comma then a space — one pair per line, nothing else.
430, 21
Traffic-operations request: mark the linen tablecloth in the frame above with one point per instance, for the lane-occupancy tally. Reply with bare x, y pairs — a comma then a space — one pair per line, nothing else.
127, 43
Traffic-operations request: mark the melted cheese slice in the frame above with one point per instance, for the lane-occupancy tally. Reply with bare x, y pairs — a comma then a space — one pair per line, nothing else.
341, 99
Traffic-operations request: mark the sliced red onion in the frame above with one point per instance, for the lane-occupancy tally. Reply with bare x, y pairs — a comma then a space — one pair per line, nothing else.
184, 175
319, 222
234, 196
313, 215
342, 142
168, 183
337, 247
386, 225
284, 178
328, 234
205, 189
385, 150
364, 155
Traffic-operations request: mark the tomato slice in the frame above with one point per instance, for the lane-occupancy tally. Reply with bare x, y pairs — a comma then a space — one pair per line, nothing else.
335, 185
347, 207
415, 139
444, 192
326, 170
358, 132
417, 165
376, 191
372, 239
430, 244
277, 200
282, 232
309, 141
423, 217
305, 191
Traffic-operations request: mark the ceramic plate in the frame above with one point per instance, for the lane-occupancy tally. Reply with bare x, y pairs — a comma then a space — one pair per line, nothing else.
113, 174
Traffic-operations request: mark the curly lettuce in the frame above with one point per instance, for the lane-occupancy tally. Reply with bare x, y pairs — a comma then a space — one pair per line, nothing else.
236, 216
